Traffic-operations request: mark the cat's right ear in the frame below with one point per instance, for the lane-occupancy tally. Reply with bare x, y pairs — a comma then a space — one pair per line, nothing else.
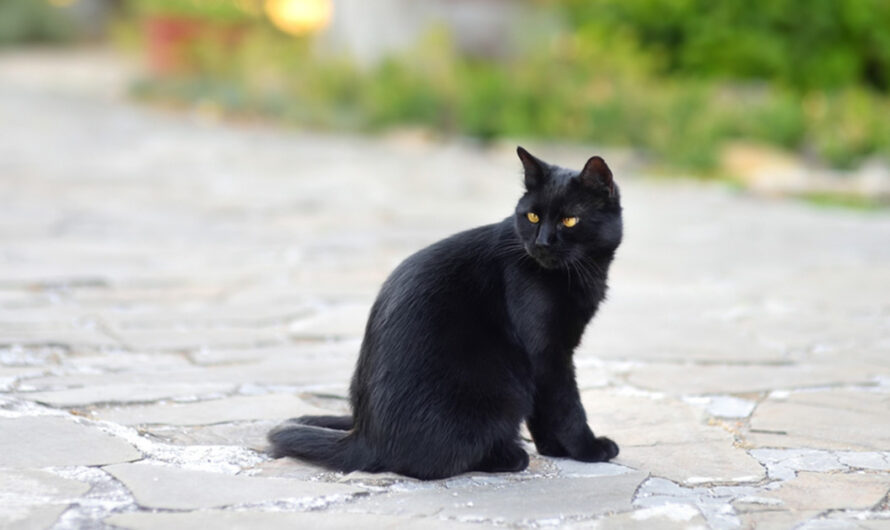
596, 173
535, 170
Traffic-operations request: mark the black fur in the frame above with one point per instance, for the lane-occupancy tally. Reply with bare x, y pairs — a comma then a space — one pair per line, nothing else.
475, 334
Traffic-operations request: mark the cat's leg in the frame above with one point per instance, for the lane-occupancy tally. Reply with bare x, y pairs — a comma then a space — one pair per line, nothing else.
505, 456
558, 423
545, 436
340, 423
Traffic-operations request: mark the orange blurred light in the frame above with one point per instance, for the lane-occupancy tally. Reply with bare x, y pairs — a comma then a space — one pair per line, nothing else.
298, 17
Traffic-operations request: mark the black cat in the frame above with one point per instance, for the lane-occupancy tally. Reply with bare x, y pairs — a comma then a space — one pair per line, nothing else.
473, 335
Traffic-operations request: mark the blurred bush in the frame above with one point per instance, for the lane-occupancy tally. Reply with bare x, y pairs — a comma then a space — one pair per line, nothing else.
804, 44
221, 10
677, 78
33, 21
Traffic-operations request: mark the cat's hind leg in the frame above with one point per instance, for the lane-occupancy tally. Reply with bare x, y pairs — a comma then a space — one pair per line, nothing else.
340, 423
505, 456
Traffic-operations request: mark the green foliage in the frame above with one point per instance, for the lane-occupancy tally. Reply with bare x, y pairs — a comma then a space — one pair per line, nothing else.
805, 44
221, 10
29, 21
845, 201
678, 79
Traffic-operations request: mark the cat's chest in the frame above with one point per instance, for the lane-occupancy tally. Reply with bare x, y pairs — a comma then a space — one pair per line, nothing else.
548, 313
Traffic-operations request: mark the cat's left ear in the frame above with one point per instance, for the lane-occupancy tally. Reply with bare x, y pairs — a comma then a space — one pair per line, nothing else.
597, 174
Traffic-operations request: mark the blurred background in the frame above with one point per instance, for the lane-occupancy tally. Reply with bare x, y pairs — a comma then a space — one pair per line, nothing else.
786, 97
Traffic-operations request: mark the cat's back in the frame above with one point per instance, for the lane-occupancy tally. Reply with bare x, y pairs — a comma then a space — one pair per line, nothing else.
471, 259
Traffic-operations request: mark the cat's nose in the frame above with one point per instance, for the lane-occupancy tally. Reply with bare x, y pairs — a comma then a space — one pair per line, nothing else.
542, 242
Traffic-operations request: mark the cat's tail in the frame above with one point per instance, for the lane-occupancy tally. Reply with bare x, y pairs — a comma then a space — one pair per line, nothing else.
333, 449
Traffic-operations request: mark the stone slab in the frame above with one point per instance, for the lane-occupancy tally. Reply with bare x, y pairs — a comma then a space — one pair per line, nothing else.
676, 334
251, 434
492, 499
33, 499
276, 521
124, 393
692, 463
30, 517
668, 438
829, 419
56, 335
825, 491
641, 419
41, 441
667, 517
270, 407
739, 379
342, 321
306, 350
777, 518
294, 469
179, 340
167, 487
294, 370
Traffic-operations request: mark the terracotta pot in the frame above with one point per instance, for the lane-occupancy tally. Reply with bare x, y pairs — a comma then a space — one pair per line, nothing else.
171, 39
168, 38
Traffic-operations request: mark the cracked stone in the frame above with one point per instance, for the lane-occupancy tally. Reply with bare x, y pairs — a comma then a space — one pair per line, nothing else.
289, 468
291, 369
824, 491
669, 438
729, 407
167, 487
251, 434
179, 339
41, 441
876, 461
275, 521
731, 379
9, 376
573, 468
306, 350
712, 501
695, 463
555, 499
34, 499
123, 393
46, 335
776, 518
340, 321
830, 419
715, 341
666, 516
849, 519
197, 316
239, 408
637, 419
784, 463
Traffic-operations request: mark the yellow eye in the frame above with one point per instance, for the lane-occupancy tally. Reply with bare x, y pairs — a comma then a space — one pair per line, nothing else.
533, 217
569, 222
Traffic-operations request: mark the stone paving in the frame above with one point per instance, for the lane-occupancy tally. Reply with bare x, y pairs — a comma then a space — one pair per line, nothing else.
171, 287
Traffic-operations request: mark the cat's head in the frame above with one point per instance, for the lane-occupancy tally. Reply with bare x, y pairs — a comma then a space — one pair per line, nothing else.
567, 216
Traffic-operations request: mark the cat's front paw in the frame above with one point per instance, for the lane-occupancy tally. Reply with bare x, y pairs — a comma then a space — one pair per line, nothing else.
601, 449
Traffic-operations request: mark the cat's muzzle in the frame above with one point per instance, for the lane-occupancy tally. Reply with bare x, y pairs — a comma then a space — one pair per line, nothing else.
543, 256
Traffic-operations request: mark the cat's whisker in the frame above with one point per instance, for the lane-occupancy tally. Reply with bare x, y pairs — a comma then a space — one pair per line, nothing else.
582, 279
